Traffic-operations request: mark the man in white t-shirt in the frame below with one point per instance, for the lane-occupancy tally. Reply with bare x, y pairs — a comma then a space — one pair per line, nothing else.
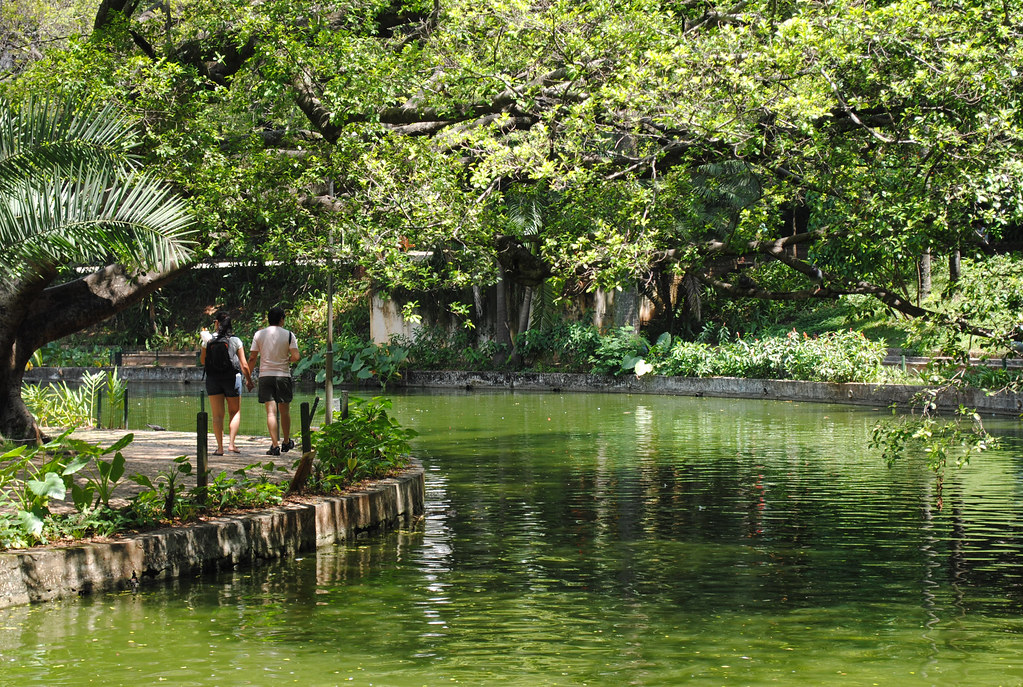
277, 349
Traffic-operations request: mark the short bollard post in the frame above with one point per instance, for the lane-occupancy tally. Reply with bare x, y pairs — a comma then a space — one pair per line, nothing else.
344, 405
307, 422
201, 462
126, 405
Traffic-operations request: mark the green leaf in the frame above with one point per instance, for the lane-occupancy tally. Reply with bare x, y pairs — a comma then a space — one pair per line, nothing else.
75, 465
51, 486
120, 443
630, 362
13, 453
117, 467
82, 495
142, 480
31, 522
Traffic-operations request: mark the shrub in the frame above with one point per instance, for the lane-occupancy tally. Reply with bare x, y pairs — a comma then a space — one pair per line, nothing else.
31, 477
833, 357
438, 348
245, 490
687, 359
356, 361
568, 347
56, 354
616, 349
844, 356
367, 444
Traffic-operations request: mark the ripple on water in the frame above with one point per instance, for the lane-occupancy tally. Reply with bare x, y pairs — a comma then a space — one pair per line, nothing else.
629, 539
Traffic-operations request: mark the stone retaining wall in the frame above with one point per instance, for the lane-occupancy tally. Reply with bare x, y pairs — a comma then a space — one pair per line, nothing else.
882, 395
879, 395
47, 573
140, 373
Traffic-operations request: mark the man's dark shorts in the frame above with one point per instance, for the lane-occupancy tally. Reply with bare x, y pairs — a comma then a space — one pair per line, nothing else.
277, 389
222, 384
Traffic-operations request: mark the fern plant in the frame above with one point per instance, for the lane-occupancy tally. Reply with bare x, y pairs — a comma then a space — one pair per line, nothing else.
60, 405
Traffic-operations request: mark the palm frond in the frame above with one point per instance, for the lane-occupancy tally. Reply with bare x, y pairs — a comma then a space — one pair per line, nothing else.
69, 192
544, 315
45, 137
525, 214
92, 215
730, 184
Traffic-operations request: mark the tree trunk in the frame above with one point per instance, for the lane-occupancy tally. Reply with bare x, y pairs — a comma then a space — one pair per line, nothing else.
667, 290
527, 306
955, 266
924, 285
515, 359
33, 314
477, 297
16, 422
502, 332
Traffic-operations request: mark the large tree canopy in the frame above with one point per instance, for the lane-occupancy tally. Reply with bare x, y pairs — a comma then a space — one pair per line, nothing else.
769, 149
70, 194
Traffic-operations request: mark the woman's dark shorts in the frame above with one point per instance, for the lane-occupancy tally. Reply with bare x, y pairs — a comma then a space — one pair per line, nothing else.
277, 389
223, 384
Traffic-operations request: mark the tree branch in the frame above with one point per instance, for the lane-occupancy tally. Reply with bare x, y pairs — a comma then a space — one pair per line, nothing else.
834, 290
70, 307
109, 9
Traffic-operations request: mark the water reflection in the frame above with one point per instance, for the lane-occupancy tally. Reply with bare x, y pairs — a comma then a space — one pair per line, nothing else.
602, 540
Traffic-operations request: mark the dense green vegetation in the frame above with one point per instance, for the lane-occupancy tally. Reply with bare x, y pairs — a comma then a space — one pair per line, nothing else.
770, 150
748, 169
364, 444
833, 356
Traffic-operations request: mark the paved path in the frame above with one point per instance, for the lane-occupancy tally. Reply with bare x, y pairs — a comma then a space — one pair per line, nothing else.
152, 452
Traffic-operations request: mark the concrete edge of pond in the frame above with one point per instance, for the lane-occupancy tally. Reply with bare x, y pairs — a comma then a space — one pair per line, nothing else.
854, 393
224, 542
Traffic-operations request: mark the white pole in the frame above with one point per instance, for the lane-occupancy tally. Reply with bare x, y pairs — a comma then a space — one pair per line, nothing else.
329, 381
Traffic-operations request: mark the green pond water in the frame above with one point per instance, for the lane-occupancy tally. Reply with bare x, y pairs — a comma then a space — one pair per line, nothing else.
588, 539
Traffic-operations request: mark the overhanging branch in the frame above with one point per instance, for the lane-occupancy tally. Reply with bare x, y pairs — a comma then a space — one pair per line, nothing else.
70, 307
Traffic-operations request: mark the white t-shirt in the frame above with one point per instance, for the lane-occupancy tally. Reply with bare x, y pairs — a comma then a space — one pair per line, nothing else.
274, 345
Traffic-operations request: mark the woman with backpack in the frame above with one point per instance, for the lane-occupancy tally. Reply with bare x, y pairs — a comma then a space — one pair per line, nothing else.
223, 357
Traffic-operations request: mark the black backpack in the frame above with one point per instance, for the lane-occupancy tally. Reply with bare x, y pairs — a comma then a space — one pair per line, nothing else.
219, 360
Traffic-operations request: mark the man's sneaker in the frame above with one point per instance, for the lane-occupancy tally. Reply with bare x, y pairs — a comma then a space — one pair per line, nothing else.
274, 451
287, 445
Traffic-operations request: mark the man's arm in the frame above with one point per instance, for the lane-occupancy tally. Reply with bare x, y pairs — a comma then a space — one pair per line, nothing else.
246, 367
254, 350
